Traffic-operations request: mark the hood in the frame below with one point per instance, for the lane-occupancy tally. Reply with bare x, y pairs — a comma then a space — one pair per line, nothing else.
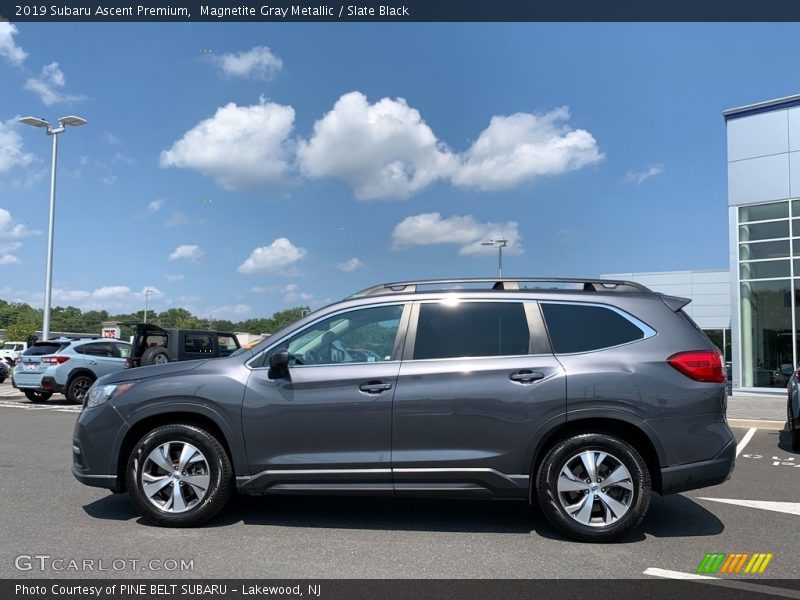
151, 371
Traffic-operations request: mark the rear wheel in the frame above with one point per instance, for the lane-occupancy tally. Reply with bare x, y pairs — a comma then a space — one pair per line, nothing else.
179, 476
593, 487
37, 396
77, 388
157, 355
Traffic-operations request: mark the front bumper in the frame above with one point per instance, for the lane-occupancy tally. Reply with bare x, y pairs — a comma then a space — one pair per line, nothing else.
701, 474
94, 447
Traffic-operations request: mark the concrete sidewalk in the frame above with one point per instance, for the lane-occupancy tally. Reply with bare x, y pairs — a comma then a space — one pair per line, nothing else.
764, 408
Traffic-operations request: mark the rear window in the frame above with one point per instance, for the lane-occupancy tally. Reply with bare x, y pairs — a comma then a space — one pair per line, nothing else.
42, 348
583, 328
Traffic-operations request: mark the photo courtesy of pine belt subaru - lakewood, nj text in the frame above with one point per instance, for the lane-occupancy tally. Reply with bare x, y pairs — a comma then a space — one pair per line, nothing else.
581, 396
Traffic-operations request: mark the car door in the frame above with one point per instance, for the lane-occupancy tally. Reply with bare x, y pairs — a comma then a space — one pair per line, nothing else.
326, 423
477, 380
101, 358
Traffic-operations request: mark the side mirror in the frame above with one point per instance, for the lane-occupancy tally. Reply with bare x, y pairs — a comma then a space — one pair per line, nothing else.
279, 364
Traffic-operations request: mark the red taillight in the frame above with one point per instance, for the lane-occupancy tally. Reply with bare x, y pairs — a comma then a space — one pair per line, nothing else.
55, 360
700, 365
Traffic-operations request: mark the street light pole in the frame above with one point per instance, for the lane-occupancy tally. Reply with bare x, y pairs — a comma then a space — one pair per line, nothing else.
146, 294
51, 131
499, 244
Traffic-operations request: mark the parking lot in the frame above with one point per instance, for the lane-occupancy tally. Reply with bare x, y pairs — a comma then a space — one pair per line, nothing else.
46, 512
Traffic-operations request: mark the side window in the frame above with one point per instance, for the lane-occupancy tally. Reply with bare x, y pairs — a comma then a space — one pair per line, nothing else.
227, 345
198, 343
122, 350
99, 349
582, 328
358, 336
471, 329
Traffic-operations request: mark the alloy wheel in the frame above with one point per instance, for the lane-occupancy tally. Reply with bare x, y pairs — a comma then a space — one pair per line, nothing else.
595, 488
175, 477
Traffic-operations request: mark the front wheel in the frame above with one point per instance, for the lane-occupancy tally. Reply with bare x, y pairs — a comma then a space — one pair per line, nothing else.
593, 487
179, 476
37, 396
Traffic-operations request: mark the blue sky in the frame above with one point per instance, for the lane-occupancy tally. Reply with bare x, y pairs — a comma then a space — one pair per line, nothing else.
240, 169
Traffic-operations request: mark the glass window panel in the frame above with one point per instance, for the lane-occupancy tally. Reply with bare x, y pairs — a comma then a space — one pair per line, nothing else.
764, 270
764, 231
796, 208
766, 333
764, 250
795, 227
764, 212
576, 328
796, 247
471, 329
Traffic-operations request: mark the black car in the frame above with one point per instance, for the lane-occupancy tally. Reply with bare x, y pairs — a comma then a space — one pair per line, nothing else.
4, 371
154, 345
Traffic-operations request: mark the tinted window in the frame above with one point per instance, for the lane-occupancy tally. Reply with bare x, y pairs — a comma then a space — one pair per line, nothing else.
198, 343
227, 345
471, 329
99, 349
121, 350
581, 328
42, 348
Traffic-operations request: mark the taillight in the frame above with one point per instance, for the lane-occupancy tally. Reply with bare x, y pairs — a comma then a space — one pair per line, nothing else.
700, 365
55, 360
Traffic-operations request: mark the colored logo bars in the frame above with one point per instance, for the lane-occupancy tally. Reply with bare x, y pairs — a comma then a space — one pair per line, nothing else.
738, 562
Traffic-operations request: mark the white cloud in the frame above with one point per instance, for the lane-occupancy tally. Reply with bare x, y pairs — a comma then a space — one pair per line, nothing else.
9, 229
278, 257
48, 86
177, 219
110, 179
263, 289
564, 236
119, 157
8, 47
111, 291
154, 206
236, 309
257, 63
110, 138
190, 252
9, 247
638, 177
12, 154
292, 293
240, 146
518, 148
97, 295
430, 228
383, 150
172, 278
351, 265
9, 259
149, 291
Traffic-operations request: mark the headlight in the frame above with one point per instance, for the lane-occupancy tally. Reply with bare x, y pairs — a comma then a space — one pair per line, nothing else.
99, 394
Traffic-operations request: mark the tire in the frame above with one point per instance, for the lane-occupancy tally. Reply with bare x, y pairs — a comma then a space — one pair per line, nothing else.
157, 355
173, 504
37, 396
795, 439
614, 509
77, 388
2, 379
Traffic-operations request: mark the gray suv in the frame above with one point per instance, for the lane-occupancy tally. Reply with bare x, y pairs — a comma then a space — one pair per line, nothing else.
581, 396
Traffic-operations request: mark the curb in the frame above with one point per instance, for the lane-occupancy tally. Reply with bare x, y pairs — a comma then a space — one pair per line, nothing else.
757, 423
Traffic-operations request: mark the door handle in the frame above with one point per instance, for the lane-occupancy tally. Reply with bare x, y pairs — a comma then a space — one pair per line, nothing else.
526, 376
375, 387
92, 362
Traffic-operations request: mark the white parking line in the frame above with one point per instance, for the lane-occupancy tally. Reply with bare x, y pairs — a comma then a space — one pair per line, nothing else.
789, 508
747, 436
729, 583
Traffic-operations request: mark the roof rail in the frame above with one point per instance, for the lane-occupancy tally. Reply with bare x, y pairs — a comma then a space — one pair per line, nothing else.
588, 285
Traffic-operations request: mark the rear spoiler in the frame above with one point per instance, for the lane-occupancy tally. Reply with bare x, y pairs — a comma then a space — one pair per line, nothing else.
675, 302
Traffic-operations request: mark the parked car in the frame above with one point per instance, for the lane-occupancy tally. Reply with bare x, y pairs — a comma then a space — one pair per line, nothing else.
67, 366
793, 410
11, 351
4, 371
579, 400
154, 345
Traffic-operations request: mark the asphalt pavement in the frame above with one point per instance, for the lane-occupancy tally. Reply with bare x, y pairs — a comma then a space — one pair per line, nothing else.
45, 512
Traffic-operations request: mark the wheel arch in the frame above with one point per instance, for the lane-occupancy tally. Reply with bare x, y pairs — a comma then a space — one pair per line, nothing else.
184, 416
624, 426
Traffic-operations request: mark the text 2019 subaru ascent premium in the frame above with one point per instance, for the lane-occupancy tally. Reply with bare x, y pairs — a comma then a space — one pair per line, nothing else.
581, 396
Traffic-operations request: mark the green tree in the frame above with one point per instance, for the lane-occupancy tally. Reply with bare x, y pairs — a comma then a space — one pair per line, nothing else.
22, 328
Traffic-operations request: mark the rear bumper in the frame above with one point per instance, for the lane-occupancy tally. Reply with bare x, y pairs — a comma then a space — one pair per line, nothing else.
701, 474
101, 481
49, 385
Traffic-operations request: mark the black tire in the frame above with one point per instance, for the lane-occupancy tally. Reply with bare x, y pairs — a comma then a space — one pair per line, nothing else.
795, 439
200, 508
37, 396
157, 355
2, 379
78, 386
566, 454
